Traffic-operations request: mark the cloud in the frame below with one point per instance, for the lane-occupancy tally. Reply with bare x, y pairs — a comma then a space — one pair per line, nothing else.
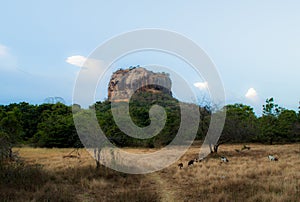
201, 85
3, 51
251, 93
76, 60
91, 70
85, 63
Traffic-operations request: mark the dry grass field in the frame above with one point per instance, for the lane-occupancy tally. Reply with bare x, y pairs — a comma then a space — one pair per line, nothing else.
248, 176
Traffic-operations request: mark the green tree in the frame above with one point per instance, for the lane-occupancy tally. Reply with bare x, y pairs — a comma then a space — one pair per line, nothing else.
240, 125
286, 124
268, 121
205, 116
10, 126
56, 127
139, 107
28, 117
10, 131
270, 108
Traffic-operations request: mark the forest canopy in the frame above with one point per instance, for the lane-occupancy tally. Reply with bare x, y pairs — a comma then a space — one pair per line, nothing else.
51, 125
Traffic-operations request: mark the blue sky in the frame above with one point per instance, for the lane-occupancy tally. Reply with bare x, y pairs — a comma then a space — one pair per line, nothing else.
254, 44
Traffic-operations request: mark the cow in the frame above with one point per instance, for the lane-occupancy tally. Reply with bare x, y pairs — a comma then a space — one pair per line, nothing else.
224, 159
272, 158
191, 162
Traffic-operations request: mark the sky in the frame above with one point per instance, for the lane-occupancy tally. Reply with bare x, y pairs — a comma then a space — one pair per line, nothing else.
255, 45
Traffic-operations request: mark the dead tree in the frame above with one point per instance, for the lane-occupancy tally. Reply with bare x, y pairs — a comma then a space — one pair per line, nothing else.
97, 152
70, 155
246, 147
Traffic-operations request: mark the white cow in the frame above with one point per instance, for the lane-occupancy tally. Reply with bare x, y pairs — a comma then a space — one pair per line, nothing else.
224, 159
272, 158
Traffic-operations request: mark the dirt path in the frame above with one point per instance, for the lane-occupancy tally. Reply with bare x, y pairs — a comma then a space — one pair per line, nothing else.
163, 187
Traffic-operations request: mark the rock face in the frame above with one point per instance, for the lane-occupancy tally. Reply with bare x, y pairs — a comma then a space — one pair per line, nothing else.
124, 83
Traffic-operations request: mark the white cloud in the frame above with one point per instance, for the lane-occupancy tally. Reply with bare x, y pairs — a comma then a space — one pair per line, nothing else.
251, 93
3, 51
85, 63
76, 60
201, 85
87, 78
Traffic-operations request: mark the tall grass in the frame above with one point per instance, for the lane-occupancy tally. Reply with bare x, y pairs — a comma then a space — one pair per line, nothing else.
248, 176
33, 183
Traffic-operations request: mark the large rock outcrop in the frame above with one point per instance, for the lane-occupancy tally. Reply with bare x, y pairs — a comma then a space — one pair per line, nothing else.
124, 83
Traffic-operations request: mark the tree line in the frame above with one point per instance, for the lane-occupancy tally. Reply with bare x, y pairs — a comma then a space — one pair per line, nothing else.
51, 125
276, 125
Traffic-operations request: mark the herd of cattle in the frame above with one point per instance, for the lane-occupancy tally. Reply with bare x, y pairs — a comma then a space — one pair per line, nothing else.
223, 158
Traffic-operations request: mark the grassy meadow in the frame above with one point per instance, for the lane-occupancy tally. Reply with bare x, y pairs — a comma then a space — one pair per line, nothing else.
44, 175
